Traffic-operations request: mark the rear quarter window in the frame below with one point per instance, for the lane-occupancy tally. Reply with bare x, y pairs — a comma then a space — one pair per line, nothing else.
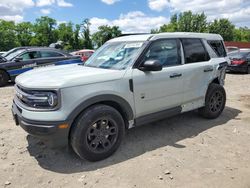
218, 48
194, 51
48, 54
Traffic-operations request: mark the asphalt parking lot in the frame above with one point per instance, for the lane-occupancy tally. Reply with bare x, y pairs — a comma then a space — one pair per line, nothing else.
183, 151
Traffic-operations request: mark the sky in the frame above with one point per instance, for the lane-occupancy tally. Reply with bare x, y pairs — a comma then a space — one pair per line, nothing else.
130, 15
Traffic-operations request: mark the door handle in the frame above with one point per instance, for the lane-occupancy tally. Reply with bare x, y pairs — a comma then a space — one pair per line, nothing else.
175, 75
209, 69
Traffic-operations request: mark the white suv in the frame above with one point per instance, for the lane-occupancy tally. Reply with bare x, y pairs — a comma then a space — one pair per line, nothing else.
129, 81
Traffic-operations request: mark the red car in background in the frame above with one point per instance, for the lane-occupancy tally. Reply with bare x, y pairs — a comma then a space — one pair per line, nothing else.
85, 54
240, 61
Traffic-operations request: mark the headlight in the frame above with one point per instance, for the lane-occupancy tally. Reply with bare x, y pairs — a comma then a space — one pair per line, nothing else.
43, 100
38, 99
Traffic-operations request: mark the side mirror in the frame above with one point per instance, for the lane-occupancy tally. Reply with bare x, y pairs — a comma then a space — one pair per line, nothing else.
151, 65
17, 59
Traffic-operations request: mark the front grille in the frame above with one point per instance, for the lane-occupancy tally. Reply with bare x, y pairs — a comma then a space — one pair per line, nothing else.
22, 95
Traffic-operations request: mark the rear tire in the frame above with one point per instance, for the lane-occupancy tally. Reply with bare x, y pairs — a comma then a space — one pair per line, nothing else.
97, 132
4, 78
248, 69
214, 102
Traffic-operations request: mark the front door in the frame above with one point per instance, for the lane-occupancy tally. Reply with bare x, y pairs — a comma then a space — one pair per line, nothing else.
24, 63
162, 90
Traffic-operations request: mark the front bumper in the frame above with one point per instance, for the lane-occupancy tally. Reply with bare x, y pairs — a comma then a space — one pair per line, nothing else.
45, 130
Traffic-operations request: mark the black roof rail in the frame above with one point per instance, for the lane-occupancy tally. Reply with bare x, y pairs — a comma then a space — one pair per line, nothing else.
128, 34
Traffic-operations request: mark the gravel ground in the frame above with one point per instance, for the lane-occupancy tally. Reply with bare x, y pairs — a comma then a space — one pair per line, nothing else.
183, 151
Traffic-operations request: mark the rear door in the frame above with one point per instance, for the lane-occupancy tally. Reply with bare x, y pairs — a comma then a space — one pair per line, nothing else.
198, 70
49, 58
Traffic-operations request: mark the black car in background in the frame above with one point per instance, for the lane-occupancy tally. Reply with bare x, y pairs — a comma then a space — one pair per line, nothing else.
240, 61
23, 59
15, 49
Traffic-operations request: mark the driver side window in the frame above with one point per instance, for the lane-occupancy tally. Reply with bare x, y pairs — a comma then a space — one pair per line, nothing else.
29, 55
165, 51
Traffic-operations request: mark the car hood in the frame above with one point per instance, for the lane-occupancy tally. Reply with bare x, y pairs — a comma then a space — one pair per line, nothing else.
66, 76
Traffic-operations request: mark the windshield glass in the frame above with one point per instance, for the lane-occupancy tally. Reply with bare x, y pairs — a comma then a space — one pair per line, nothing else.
237, 55
14, 54
116, 55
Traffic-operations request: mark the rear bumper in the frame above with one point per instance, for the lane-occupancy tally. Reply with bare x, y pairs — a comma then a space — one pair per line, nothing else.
45, 130
237, 68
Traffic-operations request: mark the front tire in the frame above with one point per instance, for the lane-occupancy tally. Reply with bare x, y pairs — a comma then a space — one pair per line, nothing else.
97, 132
214, 102
4, 78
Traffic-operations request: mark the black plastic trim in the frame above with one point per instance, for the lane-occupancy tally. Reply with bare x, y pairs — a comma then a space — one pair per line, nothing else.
157, 116
125, 106
47, 130
131, 85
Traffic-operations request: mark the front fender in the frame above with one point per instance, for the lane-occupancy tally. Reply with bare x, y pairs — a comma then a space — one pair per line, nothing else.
123, 104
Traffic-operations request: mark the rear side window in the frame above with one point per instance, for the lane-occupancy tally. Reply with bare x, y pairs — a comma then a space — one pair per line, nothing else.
194, 51
45, 54
218, 48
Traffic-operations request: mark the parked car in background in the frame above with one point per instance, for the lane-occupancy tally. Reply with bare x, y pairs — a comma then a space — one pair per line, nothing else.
2, 53
231, 49
21, 60
16, 49
240, 61
85, 54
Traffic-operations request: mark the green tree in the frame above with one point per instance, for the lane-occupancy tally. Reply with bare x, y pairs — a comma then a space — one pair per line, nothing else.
185, 22
242, 34
8, 38
223, 27
24, 32
45, 32
66, 34
105, 33
78, 42
86, 34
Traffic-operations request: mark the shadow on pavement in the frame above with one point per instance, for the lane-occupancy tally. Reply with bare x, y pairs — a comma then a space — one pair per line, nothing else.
136, 142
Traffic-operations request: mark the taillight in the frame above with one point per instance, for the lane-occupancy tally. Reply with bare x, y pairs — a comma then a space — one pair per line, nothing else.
238, 62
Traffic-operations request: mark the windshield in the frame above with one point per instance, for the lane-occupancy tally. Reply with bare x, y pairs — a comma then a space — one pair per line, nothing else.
238, 55
14, 54
116, 55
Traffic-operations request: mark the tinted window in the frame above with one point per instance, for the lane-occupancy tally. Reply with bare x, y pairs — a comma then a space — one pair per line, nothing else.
30, 55
165, 51
237, 55
218, 48
194, 51
45, 54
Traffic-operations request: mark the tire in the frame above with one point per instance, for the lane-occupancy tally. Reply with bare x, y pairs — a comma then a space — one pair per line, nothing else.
4, 78
97, 132
214, 102
248, 69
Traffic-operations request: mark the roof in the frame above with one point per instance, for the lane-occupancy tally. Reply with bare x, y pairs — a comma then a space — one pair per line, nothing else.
46, 48
145, 37
41, 48
85, 50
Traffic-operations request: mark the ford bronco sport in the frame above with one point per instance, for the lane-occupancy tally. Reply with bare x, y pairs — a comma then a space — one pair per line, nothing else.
129, 81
